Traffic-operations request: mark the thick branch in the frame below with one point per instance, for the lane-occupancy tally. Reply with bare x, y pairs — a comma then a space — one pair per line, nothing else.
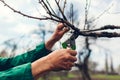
112, 27
100, 34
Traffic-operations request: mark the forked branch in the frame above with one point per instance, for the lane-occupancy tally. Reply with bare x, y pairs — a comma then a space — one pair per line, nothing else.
52, 16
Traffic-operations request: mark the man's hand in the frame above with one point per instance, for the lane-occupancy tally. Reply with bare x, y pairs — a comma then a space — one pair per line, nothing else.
59, 32
57, 35
62, 59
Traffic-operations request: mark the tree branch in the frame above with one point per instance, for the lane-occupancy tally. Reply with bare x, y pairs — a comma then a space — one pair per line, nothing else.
101, 34
65, 2
112, 27
64, 17
53, 17
16, 11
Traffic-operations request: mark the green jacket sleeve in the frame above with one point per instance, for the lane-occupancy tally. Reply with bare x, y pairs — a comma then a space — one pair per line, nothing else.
19, 67
22, 72
40, 51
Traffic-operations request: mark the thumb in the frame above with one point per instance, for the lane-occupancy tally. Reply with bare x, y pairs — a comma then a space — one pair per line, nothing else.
66, 29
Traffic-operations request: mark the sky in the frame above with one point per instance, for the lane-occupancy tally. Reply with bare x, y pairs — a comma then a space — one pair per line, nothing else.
13, 25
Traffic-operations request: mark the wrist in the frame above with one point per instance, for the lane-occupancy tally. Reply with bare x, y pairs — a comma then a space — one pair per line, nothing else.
50, 43
40, 67
54, 38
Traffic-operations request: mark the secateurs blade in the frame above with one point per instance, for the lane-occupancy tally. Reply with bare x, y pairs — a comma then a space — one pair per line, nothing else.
70, 42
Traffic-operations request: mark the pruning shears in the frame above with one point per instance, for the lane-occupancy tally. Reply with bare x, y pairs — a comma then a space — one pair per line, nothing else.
70, 42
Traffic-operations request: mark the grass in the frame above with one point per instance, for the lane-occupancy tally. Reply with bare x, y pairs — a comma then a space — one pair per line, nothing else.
70, 75
57, 77
108, 77
73, 76
63, 77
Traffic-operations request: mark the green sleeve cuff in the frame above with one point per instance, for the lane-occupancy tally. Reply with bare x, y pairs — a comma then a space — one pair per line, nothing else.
42, 46
40, 51
22, 72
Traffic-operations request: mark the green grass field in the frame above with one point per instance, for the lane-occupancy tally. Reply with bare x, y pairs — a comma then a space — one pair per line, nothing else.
107, 77
72, 76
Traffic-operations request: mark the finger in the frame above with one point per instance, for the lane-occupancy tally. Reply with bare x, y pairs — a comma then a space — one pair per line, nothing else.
65, 29
69, 65
60, 26
72, 52
72, 59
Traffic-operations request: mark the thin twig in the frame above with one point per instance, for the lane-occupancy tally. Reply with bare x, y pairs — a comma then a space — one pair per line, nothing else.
40, 1
46, 7
16, 11
58, 1
86, 14
61, 10
71, 14
65, 2
50, 7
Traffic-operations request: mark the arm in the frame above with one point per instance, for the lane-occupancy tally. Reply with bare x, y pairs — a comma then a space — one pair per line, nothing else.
58, 60
22, 72
62, 59
54, 61
41, 50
